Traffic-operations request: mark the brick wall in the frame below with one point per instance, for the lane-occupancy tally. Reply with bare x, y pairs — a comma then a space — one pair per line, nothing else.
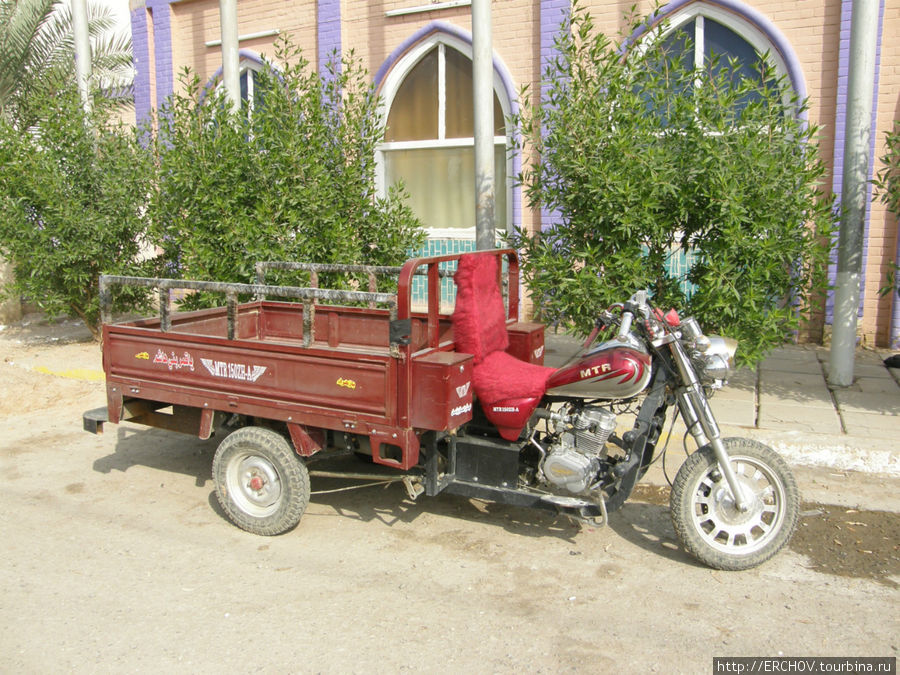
197, 22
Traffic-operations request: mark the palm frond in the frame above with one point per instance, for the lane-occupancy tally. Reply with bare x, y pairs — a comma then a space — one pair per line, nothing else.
22, 42
37, 49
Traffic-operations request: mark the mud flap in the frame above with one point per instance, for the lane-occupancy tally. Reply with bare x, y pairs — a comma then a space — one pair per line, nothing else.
93, 420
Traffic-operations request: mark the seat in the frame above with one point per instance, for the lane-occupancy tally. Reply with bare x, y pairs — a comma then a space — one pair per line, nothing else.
479, 328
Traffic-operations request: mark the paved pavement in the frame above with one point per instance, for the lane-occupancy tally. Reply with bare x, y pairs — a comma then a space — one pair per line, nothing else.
786, 402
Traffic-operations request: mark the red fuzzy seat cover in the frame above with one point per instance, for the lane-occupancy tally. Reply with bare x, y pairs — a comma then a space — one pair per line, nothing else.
479, 319
479, 328
502, 376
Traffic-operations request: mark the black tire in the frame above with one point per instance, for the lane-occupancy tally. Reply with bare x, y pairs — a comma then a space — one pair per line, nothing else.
261, 483
706, 520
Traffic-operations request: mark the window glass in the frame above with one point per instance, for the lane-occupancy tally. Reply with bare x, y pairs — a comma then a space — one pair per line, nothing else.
460, 103
677, 59
252, 94
460, 107
679, 45
414, 112
722, 42
709, 45
245, 84
441, 184
435, 158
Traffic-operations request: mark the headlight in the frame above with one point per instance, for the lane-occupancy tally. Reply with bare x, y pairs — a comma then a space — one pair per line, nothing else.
717, 361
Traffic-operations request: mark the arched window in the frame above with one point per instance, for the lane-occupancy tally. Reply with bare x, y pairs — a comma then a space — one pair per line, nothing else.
249, 68
707, 38
429, 138
704, 34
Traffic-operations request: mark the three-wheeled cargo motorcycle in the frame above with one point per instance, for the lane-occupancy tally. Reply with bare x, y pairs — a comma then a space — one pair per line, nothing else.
448, 395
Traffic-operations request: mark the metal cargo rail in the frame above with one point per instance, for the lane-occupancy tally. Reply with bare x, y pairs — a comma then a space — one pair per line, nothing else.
232, 291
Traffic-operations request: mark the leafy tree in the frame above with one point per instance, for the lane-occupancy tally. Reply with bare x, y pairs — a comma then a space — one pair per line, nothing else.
887, 185
290, 178
643, 159
72, 202
37, 53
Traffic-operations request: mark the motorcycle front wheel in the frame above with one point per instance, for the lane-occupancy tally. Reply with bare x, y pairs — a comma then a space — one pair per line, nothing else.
705, 517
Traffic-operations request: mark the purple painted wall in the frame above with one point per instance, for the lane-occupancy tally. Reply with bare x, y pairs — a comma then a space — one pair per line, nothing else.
329, 33
162, 65
553, 14
162, 42
141, 50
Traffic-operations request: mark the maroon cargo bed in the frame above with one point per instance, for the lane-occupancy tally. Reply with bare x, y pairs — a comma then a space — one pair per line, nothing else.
386, 372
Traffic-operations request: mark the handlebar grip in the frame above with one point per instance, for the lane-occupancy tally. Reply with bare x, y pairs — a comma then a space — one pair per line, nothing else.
625, 325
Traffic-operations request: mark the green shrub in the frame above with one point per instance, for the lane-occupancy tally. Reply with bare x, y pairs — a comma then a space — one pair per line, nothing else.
887, 186
72, 205
292, 179
641, 164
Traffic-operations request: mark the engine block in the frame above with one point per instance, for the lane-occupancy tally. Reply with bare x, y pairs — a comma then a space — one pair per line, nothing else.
574, 460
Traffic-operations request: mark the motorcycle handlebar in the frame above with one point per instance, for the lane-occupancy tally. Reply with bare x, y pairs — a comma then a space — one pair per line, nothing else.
637, 305
625, 325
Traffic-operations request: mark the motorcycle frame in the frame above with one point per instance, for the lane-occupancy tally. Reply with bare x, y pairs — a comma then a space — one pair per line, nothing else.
486, 466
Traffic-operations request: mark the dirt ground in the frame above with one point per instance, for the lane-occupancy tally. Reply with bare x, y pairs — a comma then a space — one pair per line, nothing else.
116, 557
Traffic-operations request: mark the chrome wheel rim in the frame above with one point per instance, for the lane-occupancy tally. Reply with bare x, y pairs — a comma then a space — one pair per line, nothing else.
721, 524
254, 485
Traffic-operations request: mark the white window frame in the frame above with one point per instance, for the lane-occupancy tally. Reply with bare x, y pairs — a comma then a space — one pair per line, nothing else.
389, 89
250, 66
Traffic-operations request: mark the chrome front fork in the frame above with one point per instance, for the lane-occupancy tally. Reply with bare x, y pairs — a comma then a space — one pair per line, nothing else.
701, 422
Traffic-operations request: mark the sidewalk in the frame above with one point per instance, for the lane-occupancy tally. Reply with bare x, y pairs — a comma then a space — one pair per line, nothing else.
786, 403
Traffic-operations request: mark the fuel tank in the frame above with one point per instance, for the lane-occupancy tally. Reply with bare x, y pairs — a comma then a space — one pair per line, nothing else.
610, 370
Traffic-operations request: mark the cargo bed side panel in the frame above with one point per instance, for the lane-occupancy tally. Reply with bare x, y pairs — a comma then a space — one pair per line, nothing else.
325, 380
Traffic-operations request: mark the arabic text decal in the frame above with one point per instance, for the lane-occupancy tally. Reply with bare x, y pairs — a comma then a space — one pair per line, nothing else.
172, 361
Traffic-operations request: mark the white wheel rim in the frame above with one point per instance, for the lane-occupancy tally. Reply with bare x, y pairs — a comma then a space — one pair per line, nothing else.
254, 485
724, 527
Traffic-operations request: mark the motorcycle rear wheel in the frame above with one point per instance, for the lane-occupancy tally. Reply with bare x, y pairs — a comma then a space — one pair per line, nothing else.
712, 528
261, 483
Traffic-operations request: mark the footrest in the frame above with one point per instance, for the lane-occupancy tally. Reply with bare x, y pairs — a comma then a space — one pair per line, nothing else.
591, 511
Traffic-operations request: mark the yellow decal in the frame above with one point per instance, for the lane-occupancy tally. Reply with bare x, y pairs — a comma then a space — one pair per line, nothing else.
350, 384
142, 355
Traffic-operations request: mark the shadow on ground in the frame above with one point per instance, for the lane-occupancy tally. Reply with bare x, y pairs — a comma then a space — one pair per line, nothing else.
834, 539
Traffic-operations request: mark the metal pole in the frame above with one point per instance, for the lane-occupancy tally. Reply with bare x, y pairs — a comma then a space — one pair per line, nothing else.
231, 77
483, 85
857, 141
82, 53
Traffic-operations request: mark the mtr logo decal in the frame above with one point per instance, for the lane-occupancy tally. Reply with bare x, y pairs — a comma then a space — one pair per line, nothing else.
594, 371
